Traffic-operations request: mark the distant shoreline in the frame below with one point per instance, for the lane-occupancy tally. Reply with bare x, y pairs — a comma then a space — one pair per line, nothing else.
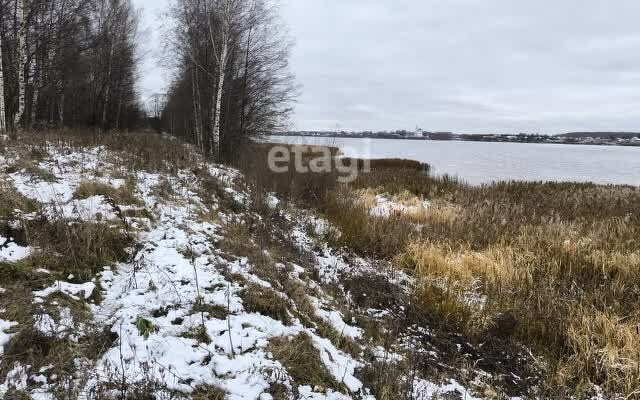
613, 140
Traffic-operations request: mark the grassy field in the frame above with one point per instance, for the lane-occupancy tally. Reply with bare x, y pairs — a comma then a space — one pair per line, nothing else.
553, 266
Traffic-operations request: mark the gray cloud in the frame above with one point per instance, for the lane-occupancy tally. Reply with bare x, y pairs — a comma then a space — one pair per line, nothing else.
464, 65
467, 65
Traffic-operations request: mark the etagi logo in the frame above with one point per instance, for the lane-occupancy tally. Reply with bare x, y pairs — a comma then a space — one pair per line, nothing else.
317, 160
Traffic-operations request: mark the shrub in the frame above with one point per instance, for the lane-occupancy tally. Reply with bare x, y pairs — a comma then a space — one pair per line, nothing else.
145, 327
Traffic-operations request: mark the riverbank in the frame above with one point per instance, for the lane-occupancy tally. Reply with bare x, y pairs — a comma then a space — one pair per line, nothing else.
480, 163
134, 267
593, 139
552, 266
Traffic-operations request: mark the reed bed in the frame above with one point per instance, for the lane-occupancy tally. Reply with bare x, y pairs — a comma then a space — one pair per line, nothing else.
552, 266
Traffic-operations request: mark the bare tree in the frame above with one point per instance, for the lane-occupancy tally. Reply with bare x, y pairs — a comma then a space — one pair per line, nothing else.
228, 12
197, 108
69, 62
3, 118
234, 64
21, 61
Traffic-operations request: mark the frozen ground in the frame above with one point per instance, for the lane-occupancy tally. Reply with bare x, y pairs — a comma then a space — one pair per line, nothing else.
178, 266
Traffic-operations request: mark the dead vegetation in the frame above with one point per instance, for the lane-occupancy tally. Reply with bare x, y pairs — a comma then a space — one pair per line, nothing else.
551, 265
32, 169
11, 200
290, 186
266, 301
302, 361
270, 253
69, 250
134, 151
124, 194
76, 248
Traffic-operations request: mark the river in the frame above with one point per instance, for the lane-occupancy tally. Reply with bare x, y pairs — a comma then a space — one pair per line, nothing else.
482, 162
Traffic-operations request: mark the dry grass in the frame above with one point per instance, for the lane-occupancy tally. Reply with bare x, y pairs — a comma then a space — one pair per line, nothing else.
212, 310
379, 236
11, 200
541, 254
291, 185
302, 361
605, 348
78, 248
388, 381
555, 266
30, 347
164, 190
64, 247
138, 151
265, 301
208, 393
29, 167
124, 194
75, 251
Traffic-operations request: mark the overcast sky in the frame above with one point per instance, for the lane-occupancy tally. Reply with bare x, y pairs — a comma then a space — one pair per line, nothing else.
468, 66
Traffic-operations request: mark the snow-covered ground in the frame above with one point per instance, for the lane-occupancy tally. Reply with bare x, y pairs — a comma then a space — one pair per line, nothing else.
176, 266
11, 252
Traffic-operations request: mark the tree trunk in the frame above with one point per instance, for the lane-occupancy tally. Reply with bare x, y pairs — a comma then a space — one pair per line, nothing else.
215, 134
107, 93
196, 108
21, 62
243, 109
3, 119
35, 92
119, 113
61, 94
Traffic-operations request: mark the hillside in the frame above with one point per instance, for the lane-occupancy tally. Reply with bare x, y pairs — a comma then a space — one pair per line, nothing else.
135, 269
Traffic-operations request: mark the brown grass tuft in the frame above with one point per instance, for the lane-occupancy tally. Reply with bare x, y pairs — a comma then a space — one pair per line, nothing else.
78, 248
124, 195
30, 168
258, 299
302, 361
605, 350
11, 200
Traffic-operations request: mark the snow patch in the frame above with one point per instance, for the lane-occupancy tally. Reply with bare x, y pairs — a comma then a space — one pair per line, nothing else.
70, 289
4, 336
12, 252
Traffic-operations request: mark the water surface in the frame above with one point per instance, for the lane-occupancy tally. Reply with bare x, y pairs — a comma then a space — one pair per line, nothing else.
481, 162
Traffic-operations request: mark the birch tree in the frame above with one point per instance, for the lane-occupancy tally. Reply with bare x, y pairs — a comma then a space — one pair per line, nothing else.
228, 13
21, 61
3, 118
61, 67
232, 71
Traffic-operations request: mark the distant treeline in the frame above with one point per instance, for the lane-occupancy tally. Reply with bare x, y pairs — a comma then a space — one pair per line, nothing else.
602, 135
603, 138
68, 63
